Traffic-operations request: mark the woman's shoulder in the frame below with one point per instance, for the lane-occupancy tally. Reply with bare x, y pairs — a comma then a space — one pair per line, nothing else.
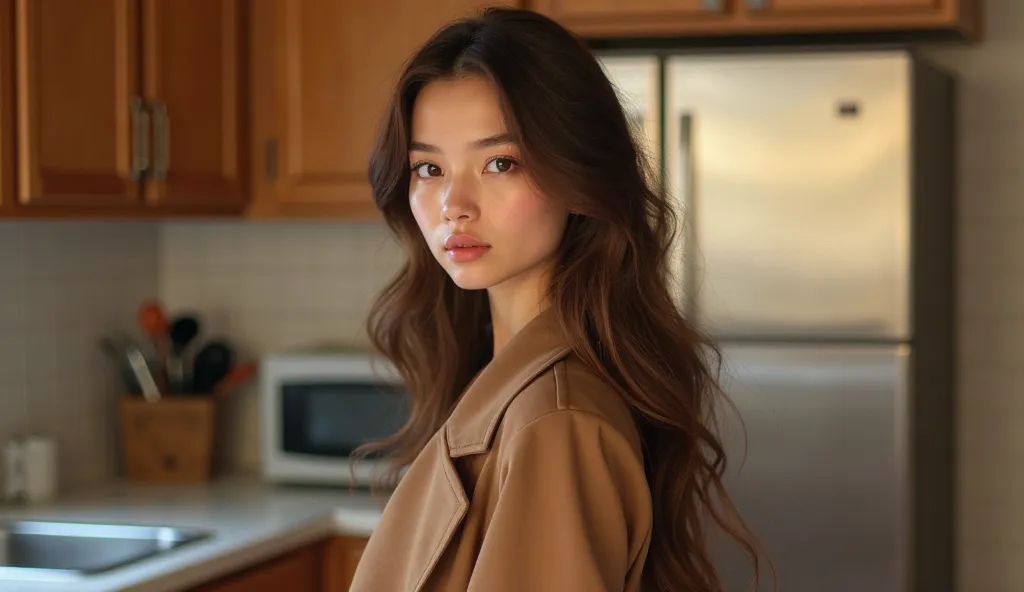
571, 391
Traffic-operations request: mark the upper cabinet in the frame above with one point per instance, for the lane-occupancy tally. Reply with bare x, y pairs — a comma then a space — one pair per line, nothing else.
268, 108
123, 107
642, 18
77, 106
194, 66
322, 72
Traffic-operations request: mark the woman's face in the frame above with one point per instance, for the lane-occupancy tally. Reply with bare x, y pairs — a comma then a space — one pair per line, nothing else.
479, 213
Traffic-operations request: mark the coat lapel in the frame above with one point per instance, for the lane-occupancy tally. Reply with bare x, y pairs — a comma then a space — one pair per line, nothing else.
531, 351
447, 504
430, 503
417, 525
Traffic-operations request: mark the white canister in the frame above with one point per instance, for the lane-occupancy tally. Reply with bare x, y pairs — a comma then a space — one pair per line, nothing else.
30, 469
14, 470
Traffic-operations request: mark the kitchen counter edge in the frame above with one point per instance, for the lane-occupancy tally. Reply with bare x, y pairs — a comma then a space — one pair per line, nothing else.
251, 521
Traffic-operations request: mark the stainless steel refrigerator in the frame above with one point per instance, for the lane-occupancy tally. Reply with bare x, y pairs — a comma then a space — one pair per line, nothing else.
817, 189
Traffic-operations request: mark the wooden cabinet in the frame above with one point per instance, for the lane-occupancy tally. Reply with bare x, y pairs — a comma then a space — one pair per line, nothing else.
77, 103
123, 107
326, 566
7, 127
710, 18
322, 72
341, 556
298, 571
267, 108
193, 80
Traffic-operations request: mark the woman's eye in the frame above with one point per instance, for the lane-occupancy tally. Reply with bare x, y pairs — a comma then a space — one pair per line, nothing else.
425, 169
501, 165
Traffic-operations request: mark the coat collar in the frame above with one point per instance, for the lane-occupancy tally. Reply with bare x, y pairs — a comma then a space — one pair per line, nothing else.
531, 351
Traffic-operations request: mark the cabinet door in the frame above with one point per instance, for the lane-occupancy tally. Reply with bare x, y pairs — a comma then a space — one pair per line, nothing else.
193, 79
7, 188
823, 16
322, 73
824, 6
76, 102
298, 571
636, 18
626, 9
341, 557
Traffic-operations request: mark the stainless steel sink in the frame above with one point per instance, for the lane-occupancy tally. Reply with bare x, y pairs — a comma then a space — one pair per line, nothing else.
36, 549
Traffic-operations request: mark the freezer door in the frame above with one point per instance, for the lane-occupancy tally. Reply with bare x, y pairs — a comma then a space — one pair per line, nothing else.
793, 172
823, 478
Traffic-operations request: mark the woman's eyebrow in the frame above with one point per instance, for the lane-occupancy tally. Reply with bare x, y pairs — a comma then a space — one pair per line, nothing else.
421, 147
496, 139
502, 138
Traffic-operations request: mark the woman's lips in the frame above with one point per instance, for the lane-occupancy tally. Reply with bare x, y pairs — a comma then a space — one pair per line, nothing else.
462, 248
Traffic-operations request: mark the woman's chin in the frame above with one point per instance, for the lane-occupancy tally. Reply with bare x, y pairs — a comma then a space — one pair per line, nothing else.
468, 280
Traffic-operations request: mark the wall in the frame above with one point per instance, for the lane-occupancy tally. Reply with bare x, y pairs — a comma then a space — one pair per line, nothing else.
62, 285
267, 286
991, 323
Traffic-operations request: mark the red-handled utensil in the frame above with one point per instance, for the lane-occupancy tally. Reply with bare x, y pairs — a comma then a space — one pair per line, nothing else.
239, 375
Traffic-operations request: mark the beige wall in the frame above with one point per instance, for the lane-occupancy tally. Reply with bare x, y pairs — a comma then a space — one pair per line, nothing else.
62, 285
991, 323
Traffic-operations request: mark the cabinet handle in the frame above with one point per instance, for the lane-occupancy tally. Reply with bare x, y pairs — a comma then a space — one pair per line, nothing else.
757, 4
162, 143
140, 138
711, 5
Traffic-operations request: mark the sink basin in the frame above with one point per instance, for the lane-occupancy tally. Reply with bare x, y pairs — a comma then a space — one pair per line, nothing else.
36, 549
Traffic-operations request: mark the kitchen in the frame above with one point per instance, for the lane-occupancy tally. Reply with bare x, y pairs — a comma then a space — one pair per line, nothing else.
227, 232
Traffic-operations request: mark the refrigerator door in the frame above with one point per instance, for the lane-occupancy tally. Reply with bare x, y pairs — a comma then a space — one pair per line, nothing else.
793, 170
820, 472
637, 79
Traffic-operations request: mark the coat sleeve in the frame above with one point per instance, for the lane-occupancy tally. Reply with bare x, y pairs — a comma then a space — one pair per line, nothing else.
573, 511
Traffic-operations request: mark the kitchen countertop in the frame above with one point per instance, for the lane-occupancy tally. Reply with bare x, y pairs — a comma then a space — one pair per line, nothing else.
251, 522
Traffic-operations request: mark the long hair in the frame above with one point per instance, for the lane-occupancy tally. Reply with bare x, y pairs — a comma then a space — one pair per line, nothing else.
609, 288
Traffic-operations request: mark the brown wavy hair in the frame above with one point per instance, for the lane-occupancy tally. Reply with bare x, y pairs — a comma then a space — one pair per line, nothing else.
609, 287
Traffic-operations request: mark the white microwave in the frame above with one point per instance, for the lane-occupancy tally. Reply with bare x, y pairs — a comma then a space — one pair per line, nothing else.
316, 407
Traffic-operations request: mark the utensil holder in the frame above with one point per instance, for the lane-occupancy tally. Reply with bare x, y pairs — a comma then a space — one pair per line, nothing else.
169, 440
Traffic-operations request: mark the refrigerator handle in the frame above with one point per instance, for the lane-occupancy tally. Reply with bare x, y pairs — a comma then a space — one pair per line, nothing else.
688, 187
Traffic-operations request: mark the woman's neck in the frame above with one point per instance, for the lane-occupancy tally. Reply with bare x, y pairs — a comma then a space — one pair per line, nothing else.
512, 307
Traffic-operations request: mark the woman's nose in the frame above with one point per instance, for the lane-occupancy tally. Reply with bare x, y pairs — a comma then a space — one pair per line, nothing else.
459, 202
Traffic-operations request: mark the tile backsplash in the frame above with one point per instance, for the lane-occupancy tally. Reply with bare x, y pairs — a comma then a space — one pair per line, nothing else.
62, 285
267, 286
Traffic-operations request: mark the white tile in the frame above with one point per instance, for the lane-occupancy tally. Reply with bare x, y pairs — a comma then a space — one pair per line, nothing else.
75, 280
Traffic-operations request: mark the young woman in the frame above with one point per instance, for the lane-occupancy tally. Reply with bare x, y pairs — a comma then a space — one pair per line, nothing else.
561, 436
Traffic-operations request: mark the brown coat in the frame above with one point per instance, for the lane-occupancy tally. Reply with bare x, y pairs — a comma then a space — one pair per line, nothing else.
535, 483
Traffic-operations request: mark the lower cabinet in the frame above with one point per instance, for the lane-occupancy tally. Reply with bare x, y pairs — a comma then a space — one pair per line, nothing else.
341, 556
326, 566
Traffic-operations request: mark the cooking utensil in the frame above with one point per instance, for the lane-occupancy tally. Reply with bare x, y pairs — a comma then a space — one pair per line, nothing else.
150, 390
153, 322
182, 331
115, 346
212, 363
239, 375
